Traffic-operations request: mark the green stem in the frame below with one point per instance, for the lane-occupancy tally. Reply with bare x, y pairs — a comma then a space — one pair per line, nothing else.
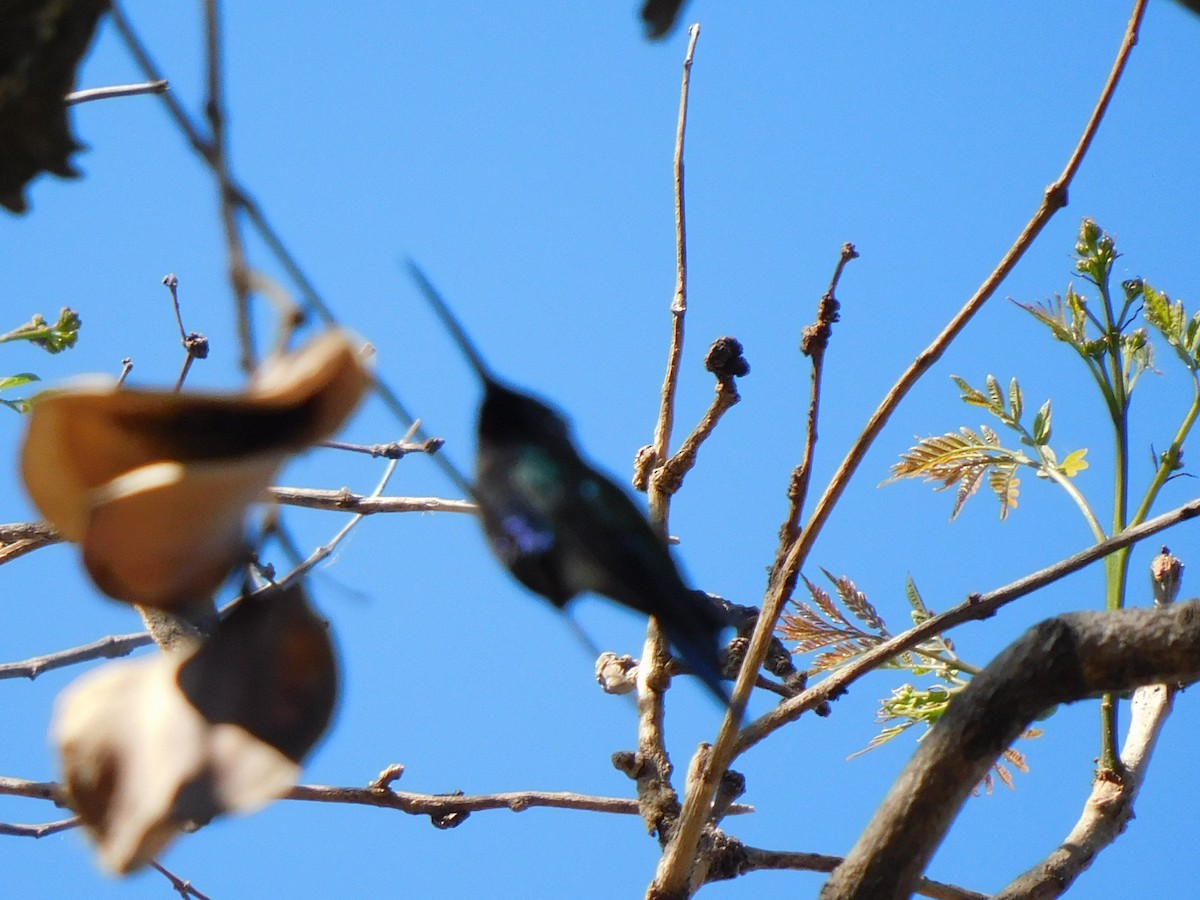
1073, 492
1116, 568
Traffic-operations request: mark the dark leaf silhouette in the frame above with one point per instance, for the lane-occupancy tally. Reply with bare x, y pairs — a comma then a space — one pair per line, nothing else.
41, 44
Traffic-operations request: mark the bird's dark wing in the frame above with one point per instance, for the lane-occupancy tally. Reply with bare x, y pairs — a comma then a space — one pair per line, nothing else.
621, 557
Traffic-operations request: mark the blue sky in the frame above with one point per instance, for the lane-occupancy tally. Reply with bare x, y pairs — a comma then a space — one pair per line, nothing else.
523, 156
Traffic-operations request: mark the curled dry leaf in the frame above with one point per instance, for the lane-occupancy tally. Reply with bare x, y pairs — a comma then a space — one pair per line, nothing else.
152, 745
155, 484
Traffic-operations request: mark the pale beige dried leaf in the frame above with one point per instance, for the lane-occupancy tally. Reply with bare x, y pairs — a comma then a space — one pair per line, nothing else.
140, 762
155, 484
149, 746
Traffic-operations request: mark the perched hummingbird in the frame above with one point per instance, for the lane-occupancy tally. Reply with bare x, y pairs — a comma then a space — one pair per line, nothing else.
563, 528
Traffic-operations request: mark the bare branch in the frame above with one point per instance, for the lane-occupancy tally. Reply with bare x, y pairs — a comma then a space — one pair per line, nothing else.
28, 531
391, 450
183, 888
344, 501
666, 412
19, 538
814, 341
42, 830
116, 90
109, 647
195, 345
1061, 660
672, 875
218, 159
380, 794
651, 766
441, 805
204, 149
739, 859
34, 790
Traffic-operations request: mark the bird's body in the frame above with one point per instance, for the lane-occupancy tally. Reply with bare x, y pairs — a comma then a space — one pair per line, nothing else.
563, 528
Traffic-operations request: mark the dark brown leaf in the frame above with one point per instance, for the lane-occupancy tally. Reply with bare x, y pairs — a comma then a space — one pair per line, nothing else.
269, 669
151, 745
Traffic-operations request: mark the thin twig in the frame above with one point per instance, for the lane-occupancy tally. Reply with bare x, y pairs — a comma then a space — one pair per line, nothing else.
204, 149
440, 805
44, 829
344, 501
380, 794
109, 647
214, 110
724, 360
754, 859
975, 607
183, 888
392, 450
116, 90
34, 790
618, 675
112, 647
324, 551
194, 345
658, 498
814, 341
672, 875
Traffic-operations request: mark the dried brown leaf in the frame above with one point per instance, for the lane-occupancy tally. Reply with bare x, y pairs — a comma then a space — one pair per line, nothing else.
151, 745
155, 484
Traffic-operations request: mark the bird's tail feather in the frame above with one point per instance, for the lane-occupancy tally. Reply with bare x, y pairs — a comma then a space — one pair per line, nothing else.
694, 630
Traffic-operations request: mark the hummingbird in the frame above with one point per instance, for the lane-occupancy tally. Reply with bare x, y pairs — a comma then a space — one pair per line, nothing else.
563, 528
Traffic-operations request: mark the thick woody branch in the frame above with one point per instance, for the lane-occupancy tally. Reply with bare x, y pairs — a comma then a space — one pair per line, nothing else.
1110, 807
1061, 660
